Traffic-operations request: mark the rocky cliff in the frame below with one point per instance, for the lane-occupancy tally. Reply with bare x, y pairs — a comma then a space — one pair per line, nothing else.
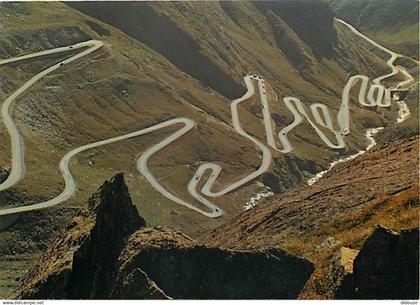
387, 267
184, 269
80, 261
107, 252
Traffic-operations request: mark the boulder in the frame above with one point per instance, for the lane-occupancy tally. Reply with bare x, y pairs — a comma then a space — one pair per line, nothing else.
387, 267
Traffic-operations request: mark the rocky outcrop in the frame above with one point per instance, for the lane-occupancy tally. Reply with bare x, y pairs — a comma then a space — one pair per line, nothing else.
116, 219
340, 267
184, 269
387, 267
107, 252
80, 261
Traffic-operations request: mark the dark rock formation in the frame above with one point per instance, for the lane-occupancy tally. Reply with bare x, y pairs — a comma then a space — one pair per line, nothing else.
184, 269
106, 252
387, 267
80, 262
116, 219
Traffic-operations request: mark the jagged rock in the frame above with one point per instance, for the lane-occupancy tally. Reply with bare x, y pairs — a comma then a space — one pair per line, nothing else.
387, 267
106, 252
80, 261
184, 269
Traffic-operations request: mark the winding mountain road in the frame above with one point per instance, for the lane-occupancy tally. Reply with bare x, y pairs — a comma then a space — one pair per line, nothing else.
17, 146
216, 169
377, 95
17, 169
9, 215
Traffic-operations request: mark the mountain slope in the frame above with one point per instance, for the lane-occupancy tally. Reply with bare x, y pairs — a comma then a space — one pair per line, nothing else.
274, 39
122, 88
341, 209
126, 86
391, 22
